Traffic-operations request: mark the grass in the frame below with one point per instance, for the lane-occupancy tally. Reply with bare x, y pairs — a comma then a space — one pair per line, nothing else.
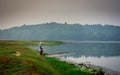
65, 68
29, 62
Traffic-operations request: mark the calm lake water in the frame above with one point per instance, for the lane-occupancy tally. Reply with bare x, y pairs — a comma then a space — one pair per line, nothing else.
100, 53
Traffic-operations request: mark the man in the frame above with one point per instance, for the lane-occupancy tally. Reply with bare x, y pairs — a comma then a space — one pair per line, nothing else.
41, 48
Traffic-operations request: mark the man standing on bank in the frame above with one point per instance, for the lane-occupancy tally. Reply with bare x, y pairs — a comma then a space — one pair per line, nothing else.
41, 48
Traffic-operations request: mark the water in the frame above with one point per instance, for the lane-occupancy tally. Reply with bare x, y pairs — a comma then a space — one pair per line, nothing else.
101, 53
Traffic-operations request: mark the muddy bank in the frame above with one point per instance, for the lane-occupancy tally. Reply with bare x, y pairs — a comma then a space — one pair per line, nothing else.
58, 54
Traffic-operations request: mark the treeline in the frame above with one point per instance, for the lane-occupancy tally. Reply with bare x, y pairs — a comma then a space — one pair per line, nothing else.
58, 31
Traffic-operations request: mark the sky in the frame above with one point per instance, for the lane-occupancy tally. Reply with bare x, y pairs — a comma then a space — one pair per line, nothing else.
19, 12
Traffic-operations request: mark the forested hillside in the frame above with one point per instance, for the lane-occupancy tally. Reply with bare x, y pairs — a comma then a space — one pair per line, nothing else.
58, 31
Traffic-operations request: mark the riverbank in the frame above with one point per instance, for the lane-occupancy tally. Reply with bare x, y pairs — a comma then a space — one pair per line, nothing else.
83, 65
17, 59
88, 65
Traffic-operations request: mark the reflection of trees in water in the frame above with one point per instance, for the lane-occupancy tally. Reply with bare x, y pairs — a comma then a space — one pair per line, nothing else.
88, 49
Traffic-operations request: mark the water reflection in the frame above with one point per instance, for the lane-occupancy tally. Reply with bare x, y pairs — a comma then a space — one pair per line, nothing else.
104, 54
87, 49
108, 62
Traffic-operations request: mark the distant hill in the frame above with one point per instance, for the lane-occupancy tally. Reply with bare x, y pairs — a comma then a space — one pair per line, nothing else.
58, 31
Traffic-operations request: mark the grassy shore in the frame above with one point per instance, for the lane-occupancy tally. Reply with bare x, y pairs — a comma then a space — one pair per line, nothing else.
17, 59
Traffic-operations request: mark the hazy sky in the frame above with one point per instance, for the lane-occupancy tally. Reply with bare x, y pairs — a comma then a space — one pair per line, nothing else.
19, 12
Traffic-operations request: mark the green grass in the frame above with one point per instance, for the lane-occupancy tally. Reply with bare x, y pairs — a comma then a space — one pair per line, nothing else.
65, 68
30, 62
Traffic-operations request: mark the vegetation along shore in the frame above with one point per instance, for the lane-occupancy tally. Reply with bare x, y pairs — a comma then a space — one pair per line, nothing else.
17, 59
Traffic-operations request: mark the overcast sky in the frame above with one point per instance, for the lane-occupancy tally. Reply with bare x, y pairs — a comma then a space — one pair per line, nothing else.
19, 12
